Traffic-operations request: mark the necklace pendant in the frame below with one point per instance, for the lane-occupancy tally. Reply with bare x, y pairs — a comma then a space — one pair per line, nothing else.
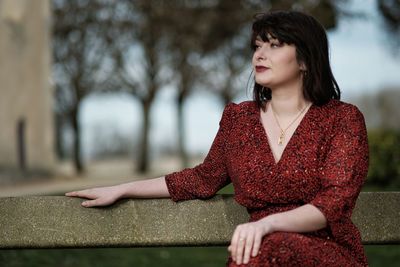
281, 138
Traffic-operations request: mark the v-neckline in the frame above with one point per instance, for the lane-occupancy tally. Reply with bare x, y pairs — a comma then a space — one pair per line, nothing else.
291, 140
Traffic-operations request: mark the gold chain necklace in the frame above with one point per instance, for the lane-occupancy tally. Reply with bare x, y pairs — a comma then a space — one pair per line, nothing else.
282, 135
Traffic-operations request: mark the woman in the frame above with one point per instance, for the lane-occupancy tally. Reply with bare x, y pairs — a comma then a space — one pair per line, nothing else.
296, 155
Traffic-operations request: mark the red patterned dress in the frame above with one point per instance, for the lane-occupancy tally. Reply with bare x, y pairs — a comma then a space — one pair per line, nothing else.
324, 164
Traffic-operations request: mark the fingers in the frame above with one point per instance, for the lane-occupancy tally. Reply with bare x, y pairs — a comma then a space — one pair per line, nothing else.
82, 193
101, 196
244, 246
240, 249
234, 244
70, 194
248, 246
241, 244
257, 244
92, 193
85, 194
90, 203
245, 243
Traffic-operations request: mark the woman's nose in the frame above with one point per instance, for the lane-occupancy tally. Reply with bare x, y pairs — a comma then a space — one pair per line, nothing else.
260, 56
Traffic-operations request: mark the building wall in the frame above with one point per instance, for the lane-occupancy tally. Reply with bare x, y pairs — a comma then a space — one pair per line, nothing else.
25, 90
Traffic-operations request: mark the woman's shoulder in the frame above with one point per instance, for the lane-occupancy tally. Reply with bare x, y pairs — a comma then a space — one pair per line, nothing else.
338, 112
235, 114
242, 108
341, 109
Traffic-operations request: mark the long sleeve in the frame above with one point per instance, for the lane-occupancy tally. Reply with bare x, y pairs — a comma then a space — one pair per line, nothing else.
345, 168
204, 180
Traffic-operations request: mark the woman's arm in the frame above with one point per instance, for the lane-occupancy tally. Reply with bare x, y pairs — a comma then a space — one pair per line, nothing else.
202, 181
306, 218
103, 196
246, 239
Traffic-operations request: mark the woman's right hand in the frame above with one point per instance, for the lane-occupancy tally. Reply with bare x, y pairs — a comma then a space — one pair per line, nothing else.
100, 196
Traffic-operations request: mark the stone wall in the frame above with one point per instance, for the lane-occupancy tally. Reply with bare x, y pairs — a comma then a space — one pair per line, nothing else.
26, 136
61, 222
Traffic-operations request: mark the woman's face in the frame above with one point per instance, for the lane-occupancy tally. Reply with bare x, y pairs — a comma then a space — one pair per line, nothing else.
275, 64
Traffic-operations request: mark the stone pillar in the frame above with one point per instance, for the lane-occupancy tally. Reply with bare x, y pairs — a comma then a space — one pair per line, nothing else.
26, 119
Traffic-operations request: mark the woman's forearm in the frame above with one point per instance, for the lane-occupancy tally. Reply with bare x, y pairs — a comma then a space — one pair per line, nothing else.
306, 218
149, 188
103, 196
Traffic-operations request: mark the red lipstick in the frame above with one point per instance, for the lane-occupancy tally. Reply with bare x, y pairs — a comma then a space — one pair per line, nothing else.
261, 68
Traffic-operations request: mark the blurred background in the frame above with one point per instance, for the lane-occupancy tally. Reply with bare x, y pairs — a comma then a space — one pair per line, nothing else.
98, 92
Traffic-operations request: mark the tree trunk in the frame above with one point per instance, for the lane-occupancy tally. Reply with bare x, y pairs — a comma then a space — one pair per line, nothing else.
143, 159
227, 94
227, 98
58, 136
77, 140
181, 133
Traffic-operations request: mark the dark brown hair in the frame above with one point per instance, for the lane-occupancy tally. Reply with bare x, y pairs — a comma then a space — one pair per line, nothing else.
309, 38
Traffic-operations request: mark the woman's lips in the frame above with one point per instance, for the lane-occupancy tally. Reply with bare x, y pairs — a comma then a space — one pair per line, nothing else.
261, 68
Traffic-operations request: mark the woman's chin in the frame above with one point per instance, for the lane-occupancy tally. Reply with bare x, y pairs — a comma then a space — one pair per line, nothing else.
264, 83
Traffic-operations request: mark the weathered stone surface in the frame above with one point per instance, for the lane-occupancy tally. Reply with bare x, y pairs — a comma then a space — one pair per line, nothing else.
36, 222
49, 222
377, 215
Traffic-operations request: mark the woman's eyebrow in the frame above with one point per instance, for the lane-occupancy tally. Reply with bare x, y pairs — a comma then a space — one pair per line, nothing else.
270, 38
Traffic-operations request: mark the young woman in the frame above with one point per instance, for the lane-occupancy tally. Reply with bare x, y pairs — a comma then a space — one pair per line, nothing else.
297, 156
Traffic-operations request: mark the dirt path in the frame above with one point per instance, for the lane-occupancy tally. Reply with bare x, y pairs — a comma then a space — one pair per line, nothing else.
99, 173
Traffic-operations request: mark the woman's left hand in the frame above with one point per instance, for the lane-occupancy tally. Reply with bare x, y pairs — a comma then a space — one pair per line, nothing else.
246, 240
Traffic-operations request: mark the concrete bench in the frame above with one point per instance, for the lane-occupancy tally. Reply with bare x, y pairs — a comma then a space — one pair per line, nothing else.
60, 222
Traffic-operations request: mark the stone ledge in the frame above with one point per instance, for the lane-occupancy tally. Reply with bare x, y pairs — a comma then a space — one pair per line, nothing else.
60, 222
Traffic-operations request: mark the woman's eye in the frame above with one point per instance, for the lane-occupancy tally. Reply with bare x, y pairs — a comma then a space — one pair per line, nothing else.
275, 45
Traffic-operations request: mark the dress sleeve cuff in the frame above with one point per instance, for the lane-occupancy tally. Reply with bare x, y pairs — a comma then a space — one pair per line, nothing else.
173, 186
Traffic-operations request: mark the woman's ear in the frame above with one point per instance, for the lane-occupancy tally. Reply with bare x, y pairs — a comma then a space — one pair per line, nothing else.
303, 66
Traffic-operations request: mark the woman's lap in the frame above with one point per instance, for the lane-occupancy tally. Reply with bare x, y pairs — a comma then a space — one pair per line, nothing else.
295, 249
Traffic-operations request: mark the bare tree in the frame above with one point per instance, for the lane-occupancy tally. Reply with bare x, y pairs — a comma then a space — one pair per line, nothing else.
193, 30
141, 46
165, 34
78, 57
137, 47
390, 11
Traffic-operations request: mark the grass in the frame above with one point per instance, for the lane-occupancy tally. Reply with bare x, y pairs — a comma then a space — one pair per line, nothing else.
140, 257
385, 255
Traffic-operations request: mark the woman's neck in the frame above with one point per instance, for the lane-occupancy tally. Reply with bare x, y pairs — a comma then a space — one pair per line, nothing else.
287, 103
